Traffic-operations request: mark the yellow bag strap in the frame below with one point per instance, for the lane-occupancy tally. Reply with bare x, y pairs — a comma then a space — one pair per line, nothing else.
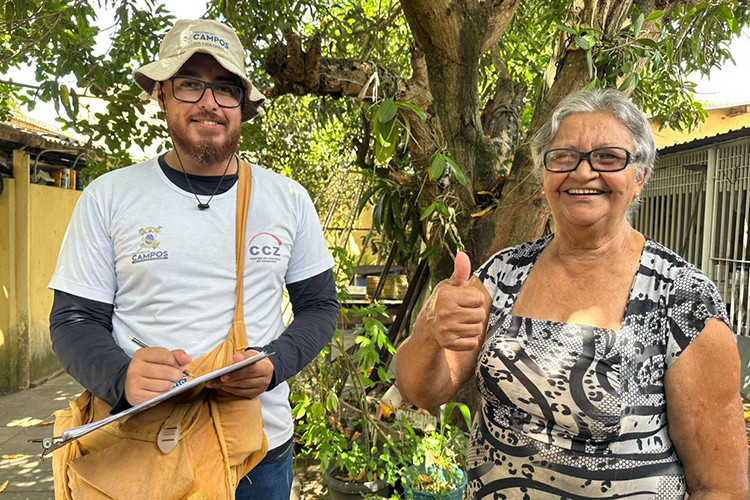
244, 189
236, 339
169, 434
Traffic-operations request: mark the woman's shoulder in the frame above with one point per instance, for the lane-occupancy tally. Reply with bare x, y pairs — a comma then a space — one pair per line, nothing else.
522, 251
668, 263
685, 281
517, 256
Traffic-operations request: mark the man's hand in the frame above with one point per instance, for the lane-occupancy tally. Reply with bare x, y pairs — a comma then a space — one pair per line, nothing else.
247, 382
457, 310
153, 371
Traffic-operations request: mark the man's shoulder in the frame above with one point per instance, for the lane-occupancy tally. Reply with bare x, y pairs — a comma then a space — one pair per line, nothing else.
267, 179
132, 173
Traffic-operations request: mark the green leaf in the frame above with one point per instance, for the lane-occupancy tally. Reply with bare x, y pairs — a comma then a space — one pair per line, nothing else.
427, 211
401, 240
568, 29
446, 411
657, 14
725, 13
437, 166
638, 25
318, 410
647, 42
384, 132
591, 85
456, 171
376, 125
582, 42
590, 63
466, 414
429, 252
734, 26
443, 209
332, 401
377, 214
417, 110
365, 198
387, 110
627, 82
397, 210
387, 219
636, 79
407, 126
414, 231
386, 143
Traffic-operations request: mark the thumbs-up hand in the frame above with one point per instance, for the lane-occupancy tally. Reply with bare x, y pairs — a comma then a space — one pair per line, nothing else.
457, 311
461, 270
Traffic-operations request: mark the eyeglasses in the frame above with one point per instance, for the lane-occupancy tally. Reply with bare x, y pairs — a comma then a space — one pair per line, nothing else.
601, 159
188, 89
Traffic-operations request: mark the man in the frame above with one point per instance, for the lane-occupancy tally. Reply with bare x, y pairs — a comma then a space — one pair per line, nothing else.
150, 253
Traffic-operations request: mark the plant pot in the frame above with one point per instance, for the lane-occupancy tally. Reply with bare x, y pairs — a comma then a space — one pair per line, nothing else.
454, 494
342, 490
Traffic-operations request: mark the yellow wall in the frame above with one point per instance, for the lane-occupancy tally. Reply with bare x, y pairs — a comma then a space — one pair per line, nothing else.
51, 209
49, 214
356, 238
6, 257
718, 121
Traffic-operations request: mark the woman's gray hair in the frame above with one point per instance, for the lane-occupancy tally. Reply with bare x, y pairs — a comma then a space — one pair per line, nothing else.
609, 101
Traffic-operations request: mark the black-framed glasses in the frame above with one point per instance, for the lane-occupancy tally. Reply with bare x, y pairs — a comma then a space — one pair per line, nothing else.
611, 159
189, 89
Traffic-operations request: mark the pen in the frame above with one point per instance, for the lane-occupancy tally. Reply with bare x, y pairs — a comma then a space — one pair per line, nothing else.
140, 343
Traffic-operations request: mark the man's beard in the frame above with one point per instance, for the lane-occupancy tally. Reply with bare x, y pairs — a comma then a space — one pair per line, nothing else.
208, 152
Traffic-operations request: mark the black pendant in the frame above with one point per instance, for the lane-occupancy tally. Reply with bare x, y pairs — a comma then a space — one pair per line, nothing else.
203, 206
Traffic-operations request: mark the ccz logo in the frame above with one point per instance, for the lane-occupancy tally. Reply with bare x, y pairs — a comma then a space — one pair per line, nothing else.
265, 247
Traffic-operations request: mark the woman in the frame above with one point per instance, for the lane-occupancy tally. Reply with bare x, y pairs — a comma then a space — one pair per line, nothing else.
604, 360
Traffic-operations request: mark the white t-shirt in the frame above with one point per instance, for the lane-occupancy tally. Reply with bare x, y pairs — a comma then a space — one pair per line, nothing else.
139, 242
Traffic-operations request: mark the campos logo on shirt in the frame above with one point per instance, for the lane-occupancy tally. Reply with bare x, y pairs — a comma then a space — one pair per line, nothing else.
264, 248
149, 248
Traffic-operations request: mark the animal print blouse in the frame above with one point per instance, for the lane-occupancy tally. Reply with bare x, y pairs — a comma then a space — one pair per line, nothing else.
576, 412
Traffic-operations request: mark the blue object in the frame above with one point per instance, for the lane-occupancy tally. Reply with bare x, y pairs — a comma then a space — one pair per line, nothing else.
268, 481
456, 494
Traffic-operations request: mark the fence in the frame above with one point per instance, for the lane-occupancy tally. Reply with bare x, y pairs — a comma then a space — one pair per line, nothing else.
696, 203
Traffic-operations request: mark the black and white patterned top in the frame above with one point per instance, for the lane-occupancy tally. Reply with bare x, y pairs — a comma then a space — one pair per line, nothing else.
573, 411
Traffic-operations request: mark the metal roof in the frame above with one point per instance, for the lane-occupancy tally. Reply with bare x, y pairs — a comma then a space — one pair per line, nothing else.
706, 141
58, 150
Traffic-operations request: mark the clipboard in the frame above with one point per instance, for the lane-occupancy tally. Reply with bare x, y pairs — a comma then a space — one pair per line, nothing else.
51, 444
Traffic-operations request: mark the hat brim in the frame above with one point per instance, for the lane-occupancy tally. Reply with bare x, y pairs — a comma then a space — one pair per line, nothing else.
163, 69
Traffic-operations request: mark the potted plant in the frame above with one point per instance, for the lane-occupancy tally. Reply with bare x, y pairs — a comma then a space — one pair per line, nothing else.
436, 471
336, 412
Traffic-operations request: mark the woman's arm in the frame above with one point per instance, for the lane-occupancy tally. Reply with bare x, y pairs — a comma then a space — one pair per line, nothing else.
705, 415
441, 353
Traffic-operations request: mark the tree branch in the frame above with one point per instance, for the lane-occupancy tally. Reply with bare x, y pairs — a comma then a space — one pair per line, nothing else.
299, 72
499, 14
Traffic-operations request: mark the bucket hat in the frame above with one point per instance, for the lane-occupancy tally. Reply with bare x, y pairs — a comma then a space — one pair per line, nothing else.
206, 36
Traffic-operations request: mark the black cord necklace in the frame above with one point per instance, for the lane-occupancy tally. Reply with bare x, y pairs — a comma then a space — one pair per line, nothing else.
201, 205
